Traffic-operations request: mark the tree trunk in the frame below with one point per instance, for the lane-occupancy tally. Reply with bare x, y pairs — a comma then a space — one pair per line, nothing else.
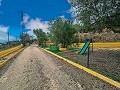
63, 45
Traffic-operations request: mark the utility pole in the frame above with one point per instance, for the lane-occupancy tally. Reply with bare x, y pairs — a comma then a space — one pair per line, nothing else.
22, 24
16, 38
16, 42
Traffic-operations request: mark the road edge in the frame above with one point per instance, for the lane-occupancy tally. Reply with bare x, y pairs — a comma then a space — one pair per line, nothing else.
6, 61
100, 76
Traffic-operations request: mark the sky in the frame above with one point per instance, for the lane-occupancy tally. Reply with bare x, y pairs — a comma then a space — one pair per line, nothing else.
37, 14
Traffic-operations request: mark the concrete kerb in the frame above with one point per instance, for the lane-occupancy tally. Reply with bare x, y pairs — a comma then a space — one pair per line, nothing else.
100, 76
6, 61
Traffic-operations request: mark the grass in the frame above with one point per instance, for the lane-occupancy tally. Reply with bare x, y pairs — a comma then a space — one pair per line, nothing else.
57, 50
45, 47
114, 78
72, 48
117, 79
53, 49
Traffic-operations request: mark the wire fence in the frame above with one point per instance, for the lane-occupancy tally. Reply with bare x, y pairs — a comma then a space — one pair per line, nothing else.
104, 59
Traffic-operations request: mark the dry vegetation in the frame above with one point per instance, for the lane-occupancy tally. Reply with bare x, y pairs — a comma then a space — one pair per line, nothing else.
106, 35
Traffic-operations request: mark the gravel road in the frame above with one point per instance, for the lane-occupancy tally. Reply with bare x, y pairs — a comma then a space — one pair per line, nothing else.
35, 69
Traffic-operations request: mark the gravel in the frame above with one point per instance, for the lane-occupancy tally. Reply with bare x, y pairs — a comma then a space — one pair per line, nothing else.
104, 61
35, 69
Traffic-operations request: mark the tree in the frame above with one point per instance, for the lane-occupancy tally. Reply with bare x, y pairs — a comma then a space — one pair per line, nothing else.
25, 38
113, 21
97, 14
62, 31
41, 36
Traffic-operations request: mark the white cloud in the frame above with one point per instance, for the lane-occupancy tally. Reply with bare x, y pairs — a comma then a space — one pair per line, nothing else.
12, 38
4, 28
75, 21
4, 35
32, 24
26, 18
72, 10
36, 24
62, 16
31, 33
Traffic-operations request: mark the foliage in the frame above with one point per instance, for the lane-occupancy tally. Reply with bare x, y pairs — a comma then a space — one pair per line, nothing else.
62, 31
72, 48
24, 38
97, 14
41, 36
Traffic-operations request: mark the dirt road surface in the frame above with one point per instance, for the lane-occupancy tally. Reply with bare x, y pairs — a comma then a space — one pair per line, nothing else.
34, 69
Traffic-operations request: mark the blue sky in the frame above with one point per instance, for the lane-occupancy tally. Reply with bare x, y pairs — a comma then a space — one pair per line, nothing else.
37, 14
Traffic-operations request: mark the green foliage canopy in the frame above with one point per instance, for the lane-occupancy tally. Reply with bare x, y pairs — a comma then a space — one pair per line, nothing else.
41, 36
96, 15
62, 31
24, 38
